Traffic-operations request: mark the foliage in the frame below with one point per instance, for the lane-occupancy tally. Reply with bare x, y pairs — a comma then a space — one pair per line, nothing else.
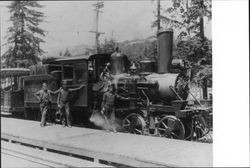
137, 50
61, 53
186, 17
23, 37
195, 50
108, 46
67, 53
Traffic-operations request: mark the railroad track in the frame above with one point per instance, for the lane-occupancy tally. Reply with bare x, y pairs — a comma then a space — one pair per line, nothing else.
26, 160
17, 155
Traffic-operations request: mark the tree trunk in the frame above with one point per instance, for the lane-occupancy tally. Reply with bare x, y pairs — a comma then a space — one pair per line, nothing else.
203, 40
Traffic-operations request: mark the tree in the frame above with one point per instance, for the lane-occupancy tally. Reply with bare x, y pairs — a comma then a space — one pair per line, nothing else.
187, 17
24, 36
60, 53
108, 46
67, 53
136, 50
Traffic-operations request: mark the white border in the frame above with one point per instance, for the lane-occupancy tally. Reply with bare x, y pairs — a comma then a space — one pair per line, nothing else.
230, 37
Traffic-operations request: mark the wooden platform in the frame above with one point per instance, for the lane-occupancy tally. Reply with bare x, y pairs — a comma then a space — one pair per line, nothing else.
126, 149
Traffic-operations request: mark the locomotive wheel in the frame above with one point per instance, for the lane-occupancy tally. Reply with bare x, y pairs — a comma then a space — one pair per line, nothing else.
134, 123
171, 127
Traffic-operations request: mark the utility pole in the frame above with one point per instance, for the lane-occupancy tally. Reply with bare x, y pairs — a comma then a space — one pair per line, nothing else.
158, 15
202, 35
98, 6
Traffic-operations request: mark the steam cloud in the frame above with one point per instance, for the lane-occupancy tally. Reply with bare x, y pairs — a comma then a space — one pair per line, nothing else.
98, 119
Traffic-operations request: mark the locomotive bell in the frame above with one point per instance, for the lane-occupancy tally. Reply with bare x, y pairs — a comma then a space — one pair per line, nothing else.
117, 63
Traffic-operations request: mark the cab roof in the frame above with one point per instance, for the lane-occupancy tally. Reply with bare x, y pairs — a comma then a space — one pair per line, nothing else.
80, 57
7, 72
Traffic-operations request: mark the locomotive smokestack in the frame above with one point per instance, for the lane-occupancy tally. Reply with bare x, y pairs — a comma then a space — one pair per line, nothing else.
165, 48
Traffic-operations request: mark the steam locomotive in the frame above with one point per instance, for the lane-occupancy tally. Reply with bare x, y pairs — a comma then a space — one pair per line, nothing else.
158, 94
158, 91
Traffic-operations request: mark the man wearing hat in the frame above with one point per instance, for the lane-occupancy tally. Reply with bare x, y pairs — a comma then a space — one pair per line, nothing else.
63, 100
105, 74
132, 69
108, 106
44, 97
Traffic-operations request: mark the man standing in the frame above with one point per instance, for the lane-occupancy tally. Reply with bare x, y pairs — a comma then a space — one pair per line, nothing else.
63, 100
108, 106
44, 97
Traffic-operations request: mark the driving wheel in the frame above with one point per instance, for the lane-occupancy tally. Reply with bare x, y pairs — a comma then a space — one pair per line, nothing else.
171, 127
134, 123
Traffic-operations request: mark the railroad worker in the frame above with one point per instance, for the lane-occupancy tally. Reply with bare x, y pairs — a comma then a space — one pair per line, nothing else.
108, 107
44, 97
133, 69
105, 74
63, 100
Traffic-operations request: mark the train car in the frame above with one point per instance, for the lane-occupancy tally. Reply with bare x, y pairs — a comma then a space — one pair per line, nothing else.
12, 90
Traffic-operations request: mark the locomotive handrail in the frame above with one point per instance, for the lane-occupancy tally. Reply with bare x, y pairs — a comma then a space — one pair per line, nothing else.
7, 91
194, 97
148, 101
172, 88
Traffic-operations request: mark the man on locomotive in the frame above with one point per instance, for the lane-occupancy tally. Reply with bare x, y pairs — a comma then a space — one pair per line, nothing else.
108, 106
44, 97
63, 100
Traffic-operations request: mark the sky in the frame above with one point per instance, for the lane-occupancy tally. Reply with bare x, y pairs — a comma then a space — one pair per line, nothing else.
68, 23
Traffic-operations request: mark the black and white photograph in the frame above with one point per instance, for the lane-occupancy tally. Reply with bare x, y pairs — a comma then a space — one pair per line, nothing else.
105, 83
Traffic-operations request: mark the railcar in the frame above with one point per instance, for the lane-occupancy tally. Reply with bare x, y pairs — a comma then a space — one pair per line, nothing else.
12, 90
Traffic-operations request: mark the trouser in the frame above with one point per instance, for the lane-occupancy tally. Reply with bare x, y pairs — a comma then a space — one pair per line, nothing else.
44, 109
110, 114
65, 112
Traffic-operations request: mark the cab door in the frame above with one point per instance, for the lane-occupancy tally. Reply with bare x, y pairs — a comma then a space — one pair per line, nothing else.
81, 78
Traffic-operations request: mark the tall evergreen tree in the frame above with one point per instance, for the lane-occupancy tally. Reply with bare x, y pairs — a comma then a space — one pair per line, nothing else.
24, 36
